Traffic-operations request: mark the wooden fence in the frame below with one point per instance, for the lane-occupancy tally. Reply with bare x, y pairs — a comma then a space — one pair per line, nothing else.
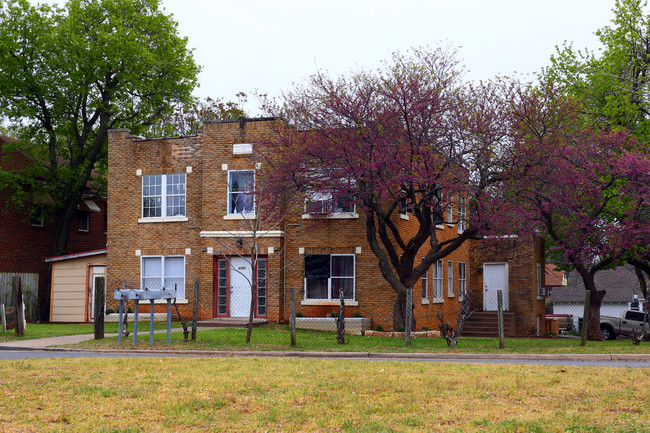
30, 293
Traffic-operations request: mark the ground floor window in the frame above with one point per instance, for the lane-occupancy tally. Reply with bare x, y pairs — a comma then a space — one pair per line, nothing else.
328, 274
437, 280
163, 272
462, 279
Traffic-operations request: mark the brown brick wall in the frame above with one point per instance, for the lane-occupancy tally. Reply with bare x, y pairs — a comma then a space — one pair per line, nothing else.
522, 256
206, 206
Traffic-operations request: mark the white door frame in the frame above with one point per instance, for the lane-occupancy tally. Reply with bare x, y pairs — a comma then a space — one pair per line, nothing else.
489, 291
95, 271
241, 274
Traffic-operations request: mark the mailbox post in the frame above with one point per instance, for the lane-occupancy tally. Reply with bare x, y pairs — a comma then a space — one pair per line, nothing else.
136, 295
151, 294
169, 294
121, 295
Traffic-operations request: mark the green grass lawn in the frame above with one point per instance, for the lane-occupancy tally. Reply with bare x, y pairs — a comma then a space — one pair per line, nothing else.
119, 395
44, 330
277, 337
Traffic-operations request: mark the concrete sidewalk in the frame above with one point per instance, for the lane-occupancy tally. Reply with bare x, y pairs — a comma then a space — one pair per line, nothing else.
42, 343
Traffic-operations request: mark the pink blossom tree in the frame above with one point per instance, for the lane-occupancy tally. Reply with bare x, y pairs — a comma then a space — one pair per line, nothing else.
587, 189
405, 138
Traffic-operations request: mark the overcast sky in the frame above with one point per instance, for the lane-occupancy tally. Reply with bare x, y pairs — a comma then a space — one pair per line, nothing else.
266, 46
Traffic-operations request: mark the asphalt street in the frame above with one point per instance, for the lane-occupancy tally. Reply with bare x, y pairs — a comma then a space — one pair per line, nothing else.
578, 361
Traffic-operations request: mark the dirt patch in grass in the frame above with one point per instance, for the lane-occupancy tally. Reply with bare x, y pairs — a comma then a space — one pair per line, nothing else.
289, 395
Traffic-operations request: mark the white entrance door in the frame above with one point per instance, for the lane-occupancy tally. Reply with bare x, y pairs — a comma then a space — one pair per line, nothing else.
495, 277
240, 286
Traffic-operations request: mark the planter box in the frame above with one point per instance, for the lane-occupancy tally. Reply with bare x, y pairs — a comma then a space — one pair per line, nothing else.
142, 317
353, 325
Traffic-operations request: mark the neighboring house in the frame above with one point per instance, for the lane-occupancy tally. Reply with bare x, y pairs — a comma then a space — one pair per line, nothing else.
74, 277
622, 287
554, 278
179, 206
26, 234
515, 266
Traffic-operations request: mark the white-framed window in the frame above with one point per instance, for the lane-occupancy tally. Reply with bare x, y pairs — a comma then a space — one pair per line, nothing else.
327, 274
241, 189
450, 279
437, 280
540, 288
450, 208
83, 221
157, 272
37, 217
462, 214
425, 284
323, 203
462, 279
163, 195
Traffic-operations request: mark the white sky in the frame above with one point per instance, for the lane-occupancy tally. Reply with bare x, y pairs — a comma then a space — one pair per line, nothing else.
266, 46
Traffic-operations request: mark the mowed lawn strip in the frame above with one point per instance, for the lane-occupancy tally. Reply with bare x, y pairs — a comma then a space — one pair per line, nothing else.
277, 338
290, 395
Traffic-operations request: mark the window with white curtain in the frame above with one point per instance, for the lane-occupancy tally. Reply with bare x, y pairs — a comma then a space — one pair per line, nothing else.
327, 274
437, 280
163, 272
462, 279
450, 278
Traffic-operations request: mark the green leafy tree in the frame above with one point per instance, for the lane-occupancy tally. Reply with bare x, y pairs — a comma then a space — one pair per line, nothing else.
68, 75
614, 86
188, 118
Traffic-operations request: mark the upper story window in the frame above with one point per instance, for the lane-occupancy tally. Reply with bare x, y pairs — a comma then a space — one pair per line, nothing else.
324, 203
163, 195
462, 214
37, 217
241, 188
450, 208
83, 221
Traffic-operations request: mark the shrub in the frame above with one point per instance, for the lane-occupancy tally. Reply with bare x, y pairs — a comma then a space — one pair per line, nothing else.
379, 328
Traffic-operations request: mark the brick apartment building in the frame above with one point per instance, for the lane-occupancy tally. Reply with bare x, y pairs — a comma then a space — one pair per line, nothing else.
26, 234
178, 209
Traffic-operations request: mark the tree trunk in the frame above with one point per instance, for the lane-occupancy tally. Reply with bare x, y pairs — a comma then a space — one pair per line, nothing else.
399, 313
596, 300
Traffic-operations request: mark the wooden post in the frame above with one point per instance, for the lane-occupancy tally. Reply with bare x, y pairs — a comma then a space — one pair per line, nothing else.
20, 307
409, 317
99, 308
195, 309
502, 342
3, 317
585, 319
292, 319
340, 320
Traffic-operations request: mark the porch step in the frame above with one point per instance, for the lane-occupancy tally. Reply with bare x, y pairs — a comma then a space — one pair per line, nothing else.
486, 324
231, 322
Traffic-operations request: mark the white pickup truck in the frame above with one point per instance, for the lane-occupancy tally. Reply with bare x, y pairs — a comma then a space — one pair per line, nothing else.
628, 324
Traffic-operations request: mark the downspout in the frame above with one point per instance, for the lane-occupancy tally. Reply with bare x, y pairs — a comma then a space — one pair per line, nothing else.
284, 265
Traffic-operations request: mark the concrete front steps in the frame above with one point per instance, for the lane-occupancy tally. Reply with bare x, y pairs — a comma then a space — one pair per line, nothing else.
485, 324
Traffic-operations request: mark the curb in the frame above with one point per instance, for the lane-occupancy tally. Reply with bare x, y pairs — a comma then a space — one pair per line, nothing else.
356, 355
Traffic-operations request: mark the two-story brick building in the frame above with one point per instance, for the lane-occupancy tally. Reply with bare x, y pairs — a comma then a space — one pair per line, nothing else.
182, 208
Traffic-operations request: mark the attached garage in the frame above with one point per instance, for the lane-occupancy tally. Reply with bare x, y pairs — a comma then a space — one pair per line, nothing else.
73, 285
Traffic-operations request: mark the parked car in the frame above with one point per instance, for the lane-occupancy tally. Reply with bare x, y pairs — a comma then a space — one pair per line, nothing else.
628, 324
